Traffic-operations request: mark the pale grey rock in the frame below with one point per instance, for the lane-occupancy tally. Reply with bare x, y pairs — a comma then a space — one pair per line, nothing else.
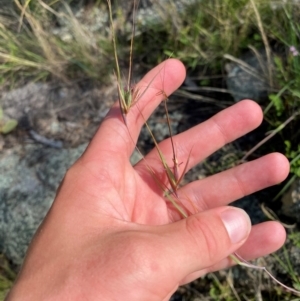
291, 202
22, 100
57, 115
29, 178
93, 20
135, 157
248, 79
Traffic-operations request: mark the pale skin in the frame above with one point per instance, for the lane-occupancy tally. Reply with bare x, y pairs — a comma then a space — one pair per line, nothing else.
110, 234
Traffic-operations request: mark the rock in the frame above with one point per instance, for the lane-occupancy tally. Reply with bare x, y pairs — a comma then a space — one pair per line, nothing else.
70, 114
30, 176
291, 202
24, 99
94, 18
135, 157
248, 79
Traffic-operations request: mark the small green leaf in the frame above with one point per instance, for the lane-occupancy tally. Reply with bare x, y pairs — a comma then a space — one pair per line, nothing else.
278, 103
288, 146
278, 62
9, 126
257, 37
296, 93
1, 113
204, 82
296, 286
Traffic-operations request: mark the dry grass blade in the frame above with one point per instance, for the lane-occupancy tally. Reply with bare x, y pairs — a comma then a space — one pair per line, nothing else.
270, 214
273, 133
127, 95
23, 11
169, 193
54, 64
241, 261
265, 40
127, 98
173, 176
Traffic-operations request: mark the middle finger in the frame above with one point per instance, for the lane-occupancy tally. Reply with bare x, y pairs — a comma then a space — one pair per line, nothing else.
197, 143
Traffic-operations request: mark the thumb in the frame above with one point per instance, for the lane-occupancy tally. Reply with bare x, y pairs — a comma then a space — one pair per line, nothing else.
204, 239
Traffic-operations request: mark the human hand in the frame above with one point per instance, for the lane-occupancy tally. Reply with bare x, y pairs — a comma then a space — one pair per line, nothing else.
110, 234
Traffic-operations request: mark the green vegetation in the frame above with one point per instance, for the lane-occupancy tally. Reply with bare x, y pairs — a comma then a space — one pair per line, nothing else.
7, 276
6, 125
31, 50
41, 41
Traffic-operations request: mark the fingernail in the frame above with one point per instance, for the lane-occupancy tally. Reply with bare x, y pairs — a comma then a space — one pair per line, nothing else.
237, 224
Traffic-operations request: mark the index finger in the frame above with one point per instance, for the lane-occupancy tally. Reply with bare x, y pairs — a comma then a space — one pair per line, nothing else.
113, 134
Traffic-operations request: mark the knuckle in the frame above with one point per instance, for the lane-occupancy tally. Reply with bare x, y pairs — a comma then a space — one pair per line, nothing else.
202, 232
